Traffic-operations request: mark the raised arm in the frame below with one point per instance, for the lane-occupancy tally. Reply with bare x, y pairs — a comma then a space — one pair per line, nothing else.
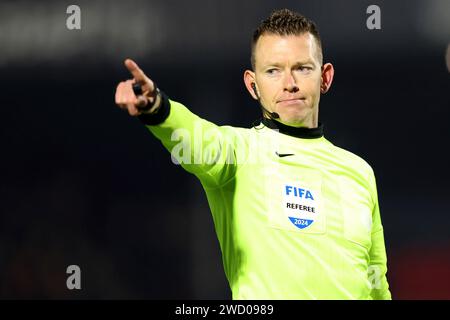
201, 147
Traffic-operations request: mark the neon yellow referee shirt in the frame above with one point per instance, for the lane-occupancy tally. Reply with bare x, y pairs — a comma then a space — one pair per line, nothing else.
296, 217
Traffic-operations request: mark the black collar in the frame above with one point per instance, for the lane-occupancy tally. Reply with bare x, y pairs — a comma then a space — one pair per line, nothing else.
302, 132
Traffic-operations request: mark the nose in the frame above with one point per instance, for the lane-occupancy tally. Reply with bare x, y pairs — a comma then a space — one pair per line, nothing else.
290, 83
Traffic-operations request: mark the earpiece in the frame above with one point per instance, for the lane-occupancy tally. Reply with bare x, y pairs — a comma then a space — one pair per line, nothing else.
254, 89
272, 115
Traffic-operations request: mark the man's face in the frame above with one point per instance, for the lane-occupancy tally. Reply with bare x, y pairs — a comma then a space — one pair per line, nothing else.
288, 77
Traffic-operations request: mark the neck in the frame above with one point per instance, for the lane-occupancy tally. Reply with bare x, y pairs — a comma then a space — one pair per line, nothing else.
305, 124
299, 132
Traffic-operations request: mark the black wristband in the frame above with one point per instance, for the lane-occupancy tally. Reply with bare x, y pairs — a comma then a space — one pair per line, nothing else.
137, 89
160, 115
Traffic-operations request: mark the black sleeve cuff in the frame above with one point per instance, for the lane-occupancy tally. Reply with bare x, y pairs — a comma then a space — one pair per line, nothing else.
160, 115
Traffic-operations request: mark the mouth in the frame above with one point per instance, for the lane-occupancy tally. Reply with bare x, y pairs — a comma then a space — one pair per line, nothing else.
291, 101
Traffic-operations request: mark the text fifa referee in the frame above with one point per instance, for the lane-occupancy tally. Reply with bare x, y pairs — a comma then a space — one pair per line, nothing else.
296, 216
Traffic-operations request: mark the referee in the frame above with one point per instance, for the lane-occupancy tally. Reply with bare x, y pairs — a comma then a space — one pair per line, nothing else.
296, 216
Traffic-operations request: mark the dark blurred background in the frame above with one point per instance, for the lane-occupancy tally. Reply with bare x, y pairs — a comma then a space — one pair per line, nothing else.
83, 183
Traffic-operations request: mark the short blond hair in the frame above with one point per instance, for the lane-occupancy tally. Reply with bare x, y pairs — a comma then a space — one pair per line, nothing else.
285, 22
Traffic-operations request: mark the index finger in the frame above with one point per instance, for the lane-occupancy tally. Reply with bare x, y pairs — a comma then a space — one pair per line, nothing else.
134, 69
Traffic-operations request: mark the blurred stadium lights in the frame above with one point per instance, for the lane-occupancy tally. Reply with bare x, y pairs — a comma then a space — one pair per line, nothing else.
433, 20
447, 57
36, 32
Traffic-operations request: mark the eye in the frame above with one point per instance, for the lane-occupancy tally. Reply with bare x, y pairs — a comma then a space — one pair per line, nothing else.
272, 71
304, 69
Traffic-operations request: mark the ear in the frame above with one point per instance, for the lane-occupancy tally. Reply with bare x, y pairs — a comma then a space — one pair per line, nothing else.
327, 77
249, 78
